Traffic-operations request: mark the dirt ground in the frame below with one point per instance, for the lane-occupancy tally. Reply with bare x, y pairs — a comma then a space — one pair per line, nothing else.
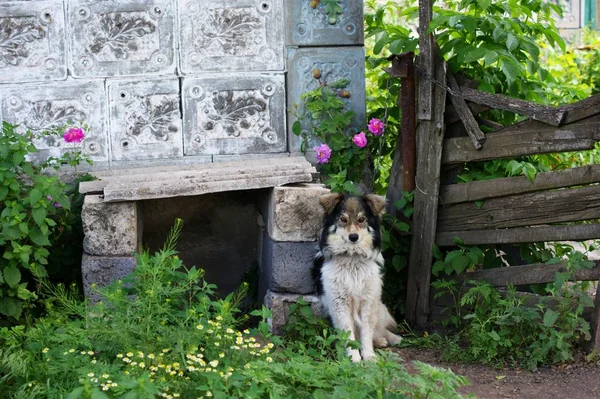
578, 380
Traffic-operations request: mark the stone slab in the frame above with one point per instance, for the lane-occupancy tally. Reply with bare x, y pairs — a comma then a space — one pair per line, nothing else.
294, 212
234, 114
111, 229
39, 107
99, 271
280, 308
32, 37
121, 37
343, 63
231, 35
145, 119
308, 26
287, 266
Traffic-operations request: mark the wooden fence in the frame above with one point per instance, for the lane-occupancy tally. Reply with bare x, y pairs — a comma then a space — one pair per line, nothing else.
501, 211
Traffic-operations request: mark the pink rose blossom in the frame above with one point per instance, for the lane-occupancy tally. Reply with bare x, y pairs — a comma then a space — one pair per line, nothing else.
323, 153
360, 139
74, 135
376, 127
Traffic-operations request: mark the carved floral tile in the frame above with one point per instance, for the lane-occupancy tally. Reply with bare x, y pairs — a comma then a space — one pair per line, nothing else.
145, 119
121, 38
32, 41
231, 35
42, 107
234, 114
308, 26
346, 63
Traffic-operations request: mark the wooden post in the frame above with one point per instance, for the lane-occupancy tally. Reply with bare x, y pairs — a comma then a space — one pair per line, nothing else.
595, 341
426, 57
430, 135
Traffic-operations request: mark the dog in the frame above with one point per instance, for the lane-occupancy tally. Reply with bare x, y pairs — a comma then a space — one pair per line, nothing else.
347, 271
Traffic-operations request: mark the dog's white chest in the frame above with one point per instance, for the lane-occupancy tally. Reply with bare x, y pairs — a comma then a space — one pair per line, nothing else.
351, 277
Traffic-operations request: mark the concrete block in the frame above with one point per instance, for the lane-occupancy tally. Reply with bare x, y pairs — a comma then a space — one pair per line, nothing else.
121, 37
145, 119
307, 26
42, 106
343, 63
280, 308
111, 229
286, 266
33, 41
231, 35
102, 270
294, 212
234, 114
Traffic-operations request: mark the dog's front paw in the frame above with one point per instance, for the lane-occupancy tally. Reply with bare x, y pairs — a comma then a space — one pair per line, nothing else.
354, 355
370, 355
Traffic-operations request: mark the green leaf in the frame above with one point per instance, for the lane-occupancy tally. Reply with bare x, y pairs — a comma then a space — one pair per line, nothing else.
484, 4
475, 55
12, 276
35, 195
550, 318
11, 307
529, 171
494, 336
39, 214
512, 43
297, 128
76, 393
3, 192
511, 68
460, 263
479, 203
498, 34
490, 58
38, 237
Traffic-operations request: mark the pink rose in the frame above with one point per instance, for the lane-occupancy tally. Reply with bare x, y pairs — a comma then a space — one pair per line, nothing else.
323, 153
376, 127
360, 139
74, 135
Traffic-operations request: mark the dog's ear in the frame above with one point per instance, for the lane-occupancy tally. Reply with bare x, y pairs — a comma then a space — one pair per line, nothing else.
330, 201
376, 203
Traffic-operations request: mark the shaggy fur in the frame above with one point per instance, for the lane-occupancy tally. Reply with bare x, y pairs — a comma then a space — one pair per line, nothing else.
347, 271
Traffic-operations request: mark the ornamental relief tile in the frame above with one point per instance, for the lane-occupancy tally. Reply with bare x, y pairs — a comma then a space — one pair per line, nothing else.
145, 119
231, 36
244, 115
32, 44
41, 108
113, 38
308, 26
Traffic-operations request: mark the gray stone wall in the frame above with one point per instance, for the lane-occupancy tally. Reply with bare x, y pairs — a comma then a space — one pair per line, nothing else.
172, 80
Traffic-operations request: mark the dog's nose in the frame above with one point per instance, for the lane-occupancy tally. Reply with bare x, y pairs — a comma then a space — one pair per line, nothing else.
353, 237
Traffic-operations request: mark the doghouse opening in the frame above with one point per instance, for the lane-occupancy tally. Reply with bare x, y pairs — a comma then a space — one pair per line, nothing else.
222, 234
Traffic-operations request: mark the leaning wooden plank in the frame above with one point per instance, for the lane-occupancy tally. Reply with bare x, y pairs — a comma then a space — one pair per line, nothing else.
530, 274
466, 117
582, 109
540, 208
543, 113
525, 138
430, 136
189, 187
595, 323
478, 190
519, 235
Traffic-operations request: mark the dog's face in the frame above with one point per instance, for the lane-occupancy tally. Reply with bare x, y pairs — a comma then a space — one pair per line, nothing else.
352, 224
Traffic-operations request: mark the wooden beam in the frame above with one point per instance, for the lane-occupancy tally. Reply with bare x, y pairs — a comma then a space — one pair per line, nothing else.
543, 113
478, 190
426, 65
539, 208
530, 274
467, 118
525, 138
430, 136
520, 235
582, 109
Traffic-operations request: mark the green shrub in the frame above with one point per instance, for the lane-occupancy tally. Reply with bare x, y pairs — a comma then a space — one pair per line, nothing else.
34, 212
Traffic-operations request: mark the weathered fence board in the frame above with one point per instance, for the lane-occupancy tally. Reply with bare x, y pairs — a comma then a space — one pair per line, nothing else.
478, 190
467, 118
430, 136
557, 206
543, 113
525, 138
579, 232
529, 274
582, 109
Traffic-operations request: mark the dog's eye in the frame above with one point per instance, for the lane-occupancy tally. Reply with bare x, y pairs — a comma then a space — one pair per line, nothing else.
361, 219
343, 219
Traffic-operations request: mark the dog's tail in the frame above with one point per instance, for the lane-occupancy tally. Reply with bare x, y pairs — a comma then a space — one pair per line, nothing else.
386, 320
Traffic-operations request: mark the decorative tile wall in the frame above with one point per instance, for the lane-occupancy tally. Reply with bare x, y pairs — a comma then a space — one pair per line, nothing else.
175, 81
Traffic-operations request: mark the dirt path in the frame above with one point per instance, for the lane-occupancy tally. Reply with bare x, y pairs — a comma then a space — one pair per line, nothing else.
574, 381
